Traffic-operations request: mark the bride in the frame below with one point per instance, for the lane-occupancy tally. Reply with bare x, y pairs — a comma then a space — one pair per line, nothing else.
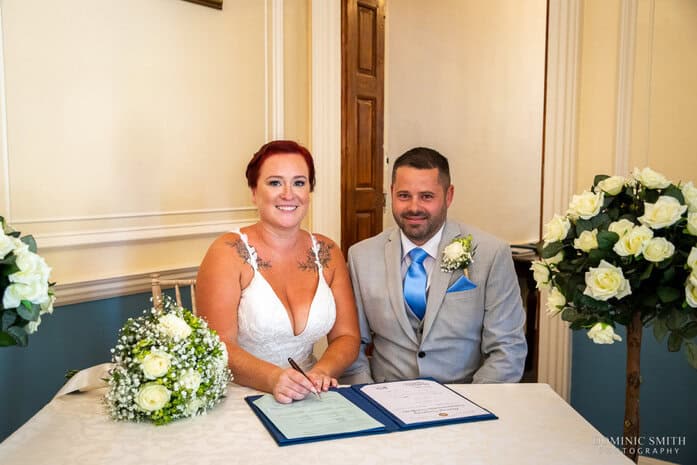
271, 290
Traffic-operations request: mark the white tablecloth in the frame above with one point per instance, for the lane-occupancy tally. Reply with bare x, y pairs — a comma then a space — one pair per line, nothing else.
535, 427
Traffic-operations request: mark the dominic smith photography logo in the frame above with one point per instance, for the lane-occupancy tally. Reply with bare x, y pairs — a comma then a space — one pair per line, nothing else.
643, 445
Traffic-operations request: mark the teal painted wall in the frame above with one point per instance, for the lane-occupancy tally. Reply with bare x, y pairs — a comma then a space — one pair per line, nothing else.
74, 337
668, 402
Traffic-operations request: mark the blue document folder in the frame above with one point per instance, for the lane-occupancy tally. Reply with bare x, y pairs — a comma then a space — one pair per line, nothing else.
389, 421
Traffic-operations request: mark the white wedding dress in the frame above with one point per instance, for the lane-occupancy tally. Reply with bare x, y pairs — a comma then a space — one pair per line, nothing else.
264, 329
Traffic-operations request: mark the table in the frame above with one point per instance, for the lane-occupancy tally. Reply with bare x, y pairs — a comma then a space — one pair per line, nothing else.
535, 426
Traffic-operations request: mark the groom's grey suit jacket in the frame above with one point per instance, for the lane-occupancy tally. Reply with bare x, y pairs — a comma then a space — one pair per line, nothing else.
468, 336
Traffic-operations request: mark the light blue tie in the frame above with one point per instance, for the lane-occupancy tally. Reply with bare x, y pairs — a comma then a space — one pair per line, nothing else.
415, 282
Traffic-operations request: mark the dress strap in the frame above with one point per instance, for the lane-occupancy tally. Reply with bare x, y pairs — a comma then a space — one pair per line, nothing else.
252, 260
315, 249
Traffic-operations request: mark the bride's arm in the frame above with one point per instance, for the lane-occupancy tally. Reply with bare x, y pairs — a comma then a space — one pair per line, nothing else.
344, 337
218, 289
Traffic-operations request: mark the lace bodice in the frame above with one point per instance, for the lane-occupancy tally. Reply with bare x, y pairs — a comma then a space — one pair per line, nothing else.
263, 327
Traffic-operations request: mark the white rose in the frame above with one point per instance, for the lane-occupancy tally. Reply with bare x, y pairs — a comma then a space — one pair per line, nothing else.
540, 273
602, 333
586, 205
47, 307
612, 185
555, 301
36, 293
658, 249
633, 242
692, 223
12, 298
32, 326
606, 281
691, 295
666, 211
689, 191
621, 227
692, 279
174, 326
7, 245
651, 178
692, 258
190, 379
554, 260
155, 364
556, 230
152, 397
454, 251
194, 405
29, 262
587, 241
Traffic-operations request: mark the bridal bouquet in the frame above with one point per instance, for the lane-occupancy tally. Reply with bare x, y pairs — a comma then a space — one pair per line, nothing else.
628, 246
168, 364
25, 290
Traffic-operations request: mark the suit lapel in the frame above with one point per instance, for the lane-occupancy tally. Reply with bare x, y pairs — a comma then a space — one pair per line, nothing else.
439, 279
393, 264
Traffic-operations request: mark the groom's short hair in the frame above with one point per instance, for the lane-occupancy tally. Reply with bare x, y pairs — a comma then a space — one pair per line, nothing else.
424, 158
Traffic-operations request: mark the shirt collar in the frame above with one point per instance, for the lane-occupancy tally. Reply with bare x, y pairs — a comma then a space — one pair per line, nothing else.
431, 246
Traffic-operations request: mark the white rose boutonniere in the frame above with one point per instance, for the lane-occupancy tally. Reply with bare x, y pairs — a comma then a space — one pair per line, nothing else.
458, 255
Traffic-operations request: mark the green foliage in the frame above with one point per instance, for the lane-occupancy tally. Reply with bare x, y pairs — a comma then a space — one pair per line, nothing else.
691, 353
660, 329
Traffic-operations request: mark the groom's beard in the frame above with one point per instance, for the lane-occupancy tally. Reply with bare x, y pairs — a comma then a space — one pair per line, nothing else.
421, 232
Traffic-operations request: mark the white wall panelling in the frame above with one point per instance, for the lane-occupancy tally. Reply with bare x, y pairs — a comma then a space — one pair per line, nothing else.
63, 234
554, 362
326, 117
628, 19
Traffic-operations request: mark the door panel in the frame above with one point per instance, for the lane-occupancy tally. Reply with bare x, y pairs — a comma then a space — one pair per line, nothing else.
363, 48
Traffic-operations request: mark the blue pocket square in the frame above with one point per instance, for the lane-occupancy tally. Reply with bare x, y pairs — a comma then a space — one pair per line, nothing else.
462, 284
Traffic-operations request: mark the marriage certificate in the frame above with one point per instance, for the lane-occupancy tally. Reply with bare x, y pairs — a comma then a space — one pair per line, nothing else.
422, 401
332, 415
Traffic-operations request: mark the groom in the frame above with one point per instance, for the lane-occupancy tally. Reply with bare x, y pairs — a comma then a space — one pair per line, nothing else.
461, 326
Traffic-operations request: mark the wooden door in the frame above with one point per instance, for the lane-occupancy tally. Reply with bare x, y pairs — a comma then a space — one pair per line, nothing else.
363, 63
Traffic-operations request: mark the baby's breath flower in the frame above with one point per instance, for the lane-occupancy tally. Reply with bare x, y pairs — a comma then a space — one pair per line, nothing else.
162, 359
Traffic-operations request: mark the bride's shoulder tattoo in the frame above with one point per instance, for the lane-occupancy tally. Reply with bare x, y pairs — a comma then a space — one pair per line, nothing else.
324, 254
243, 252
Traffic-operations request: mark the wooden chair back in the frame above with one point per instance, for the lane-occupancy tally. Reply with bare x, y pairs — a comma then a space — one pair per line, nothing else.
158, 284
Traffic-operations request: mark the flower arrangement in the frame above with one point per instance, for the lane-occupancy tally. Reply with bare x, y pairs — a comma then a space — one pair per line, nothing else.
168, 364
25, 289
458, 255
626, 247
625, 253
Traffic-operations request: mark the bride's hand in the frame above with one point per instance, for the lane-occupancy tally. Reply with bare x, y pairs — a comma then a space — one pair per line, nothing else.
291, 385
322, 380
